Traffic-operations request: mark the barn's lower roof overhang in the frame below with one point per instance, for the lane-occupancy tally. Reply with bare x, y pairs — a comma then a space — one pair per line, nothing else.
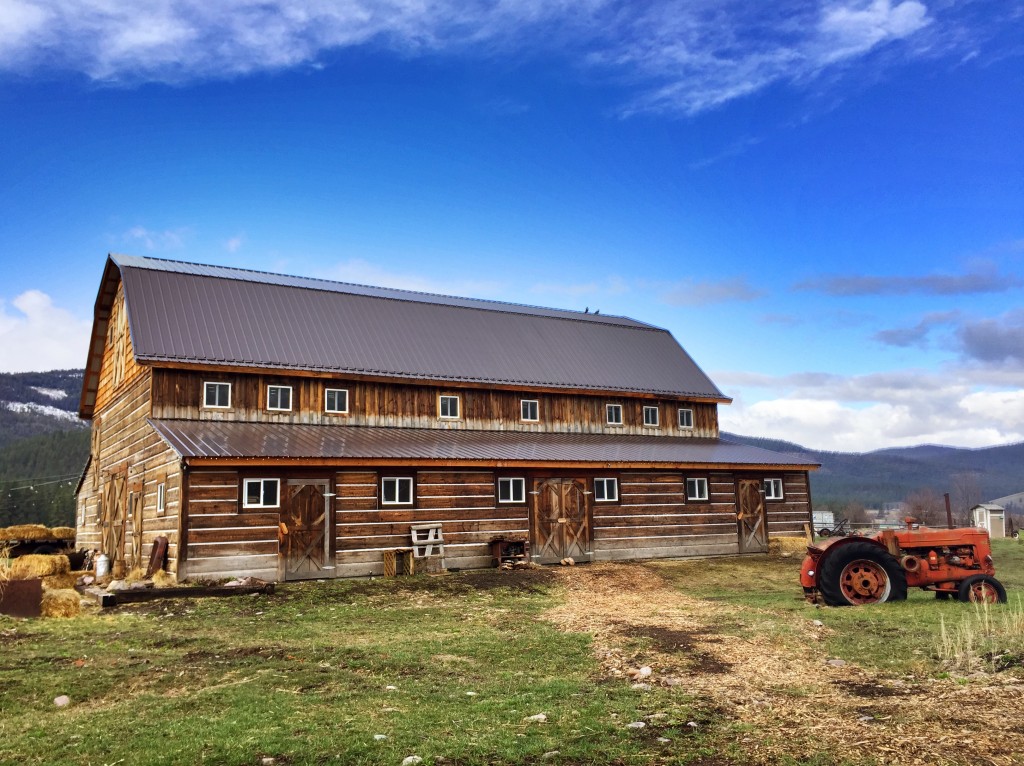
205, 442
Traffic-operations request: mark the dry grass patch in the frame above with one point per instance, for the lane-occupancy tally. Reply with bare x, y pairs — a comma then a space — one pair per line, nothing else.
985, 639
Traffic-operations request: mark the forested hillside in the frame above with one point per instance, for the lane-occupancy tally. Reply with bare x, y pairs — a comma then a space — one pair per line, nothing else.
43, 446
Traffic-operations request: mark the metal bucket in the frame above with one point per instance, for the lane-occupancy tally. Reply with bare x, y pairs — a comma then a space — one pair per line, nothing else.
102, 565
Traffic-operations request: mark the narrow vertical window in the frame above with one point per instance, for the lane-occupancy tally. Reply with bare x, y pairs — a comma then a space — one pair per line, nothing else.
686, 418
161, 498
217, 395
651, 417
613, 414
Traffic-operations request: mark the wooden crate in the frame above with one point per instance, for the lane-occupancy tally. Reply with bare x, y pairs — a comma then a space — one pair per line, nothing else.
399, 561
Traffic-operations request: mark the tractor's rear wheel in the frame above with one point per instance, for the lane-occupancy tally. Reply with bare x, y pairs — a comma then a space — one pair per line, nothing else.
861, 573
982, 588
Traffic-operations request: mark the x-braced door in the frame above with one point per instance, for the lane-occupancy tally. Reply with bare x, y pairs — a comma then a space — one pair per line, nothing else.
751, 517
561, 521
303, 527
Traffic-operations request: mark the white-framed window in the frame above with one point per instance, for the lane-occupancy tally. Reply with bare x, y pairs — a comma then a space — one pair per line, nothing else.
279, 398
261, 493
773, 489
161, 498
651, 417
448, 407
511, 490
336, 400
697, 489
613, 414
529, 410
685, 417
396, 490
606, 490
217, 395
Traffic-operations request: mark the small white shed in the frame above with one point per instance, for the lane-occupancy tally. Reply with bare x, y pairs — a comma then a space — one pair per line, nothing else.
991, 517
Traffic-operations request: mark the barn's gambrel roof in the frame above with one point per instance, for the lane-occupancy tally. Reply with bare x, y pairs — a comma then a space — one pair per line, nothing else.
190, 314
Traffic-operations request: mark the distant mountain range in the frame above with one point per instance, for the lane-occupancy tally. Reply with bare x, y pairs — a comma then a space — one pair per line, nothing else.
44, 446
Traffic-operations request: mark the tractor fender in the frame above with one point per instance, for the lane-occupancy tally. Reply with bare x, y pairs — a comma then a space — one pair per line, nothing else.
816, 556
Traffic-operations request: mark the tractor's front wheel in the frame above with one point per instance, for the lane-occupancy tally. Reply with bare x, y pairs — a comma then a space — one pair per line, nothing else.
861, 573
982, 588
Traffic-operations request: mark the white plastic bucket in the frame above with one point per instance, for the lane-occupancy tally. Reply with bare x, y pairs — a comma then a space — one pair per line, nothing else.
102, 565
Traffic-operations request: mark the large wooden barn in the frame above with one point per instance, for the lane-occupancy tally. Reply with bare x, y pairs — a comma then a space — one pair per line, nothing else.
286, 427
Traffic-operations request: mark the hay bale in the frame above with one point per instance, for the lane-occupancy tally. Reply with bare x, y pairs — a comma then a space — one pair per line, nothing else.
60, 603
162, 579
138, 574
789, 544
61, 581
38, 565
26, 532
63, 533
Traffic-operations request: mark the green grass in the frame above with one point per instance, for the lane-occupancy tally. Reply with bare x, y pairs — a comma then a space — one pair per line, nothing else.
898, 637
302, 676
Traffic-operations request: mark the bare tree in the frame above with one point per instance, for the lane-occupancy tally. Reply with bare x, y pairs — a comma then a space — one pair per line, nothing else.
854, 511
927, 506
965, 494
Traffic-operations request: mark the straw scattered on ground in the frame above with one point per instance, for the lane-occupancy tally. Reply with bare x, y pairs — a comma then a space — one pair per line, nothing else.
788, 701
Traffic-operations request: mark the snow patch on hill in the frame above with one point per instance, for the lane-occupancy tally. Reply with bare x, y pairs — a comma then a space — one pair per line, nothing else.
51, 393
41, 409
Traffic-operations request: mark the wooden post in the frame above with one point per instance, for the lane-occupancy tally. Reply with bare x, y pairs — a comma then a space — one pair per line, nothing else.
949, 513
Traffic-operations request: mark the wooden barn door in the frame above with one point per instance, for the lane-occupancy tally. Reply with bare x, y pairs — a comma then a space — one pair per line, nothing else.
304, 542
561, 520
112, 518
753, 522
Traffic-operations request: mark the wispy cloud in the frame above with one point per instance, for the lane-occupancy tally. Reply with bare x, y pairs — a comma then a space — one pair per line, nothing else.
362, 272
37, 335
168, 239
694, 292
916, 335
683, 56
234, 244
979, 280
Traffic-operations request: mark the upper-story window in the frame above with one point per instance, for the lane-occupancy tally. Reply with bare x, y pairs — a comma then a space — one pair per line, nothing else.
773, 489
529, 410
697, 489
613, 414
161, 498
396, 490
606, 490
279, 398
336, 400
511, 490
261, 493
685, 418
448, 407
651, 417
217, 395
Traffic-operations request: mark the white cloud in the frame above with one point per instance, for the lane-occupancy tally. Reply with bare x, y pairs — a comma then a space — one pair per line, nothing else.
169, 239
964, 407
683, 56
234, 244
38, 336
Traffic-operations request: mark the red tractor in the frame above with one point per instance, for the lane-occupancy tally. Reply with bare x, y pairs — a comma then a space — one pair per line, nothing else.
869, 570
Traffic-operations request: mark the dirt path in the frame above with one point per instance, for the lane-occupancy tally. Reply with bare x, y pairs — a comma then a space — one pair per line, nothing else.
793, 702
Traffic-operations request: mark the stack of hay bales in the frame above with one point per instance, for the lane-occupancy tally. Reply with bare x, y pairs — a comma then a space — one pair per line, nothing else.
787, 545
60, 599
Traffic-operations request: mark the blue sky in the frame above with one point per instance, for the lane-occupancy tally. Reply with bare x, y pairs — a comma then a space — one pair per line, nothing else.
823, 201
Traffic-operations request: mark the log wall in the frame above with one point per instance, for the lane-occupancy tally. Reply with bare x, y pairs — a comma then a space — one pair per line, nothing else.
178, 395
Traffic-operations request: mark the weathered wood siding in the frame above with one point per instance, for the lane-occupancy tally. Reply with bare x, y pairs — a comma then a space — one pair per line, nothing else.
221, 538
126, 448
178, 395
786, 518
464, 502
119, 368
654, 519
